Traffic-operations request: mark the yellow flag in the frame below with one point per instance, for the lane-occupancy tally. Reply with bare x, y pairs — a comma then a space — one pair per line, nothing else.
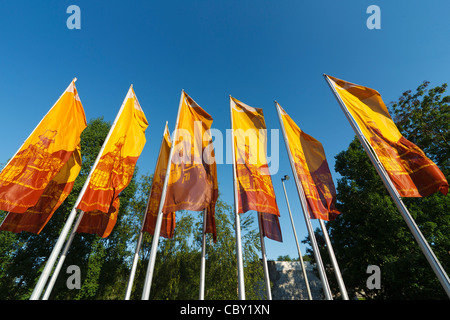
254, 183
40, 176
114, 170
192, 182
250, 139
410, 170
312, 170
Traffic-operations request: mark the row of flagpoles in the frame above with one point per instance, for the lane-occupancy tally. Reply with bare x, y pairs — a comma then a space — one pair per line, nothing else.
41, 174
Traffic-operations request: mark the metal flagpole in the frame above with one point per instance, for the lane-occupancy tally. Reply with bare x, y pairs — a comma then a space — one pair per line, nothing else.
141, 235
65, 231
203, 259
296, 240
264, 258
420, 239
320, 267
55, 252
55, 274
155, 240
337, 271
240, 264
135, 259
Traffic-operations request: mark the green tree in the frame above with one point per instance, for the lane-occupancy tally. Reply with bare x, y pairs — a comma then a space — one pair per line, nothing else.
284, 258
370, 229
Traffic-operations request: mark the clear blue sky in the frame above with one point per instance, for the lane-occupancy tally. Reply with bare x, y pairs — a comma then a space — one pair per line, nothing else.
257, 51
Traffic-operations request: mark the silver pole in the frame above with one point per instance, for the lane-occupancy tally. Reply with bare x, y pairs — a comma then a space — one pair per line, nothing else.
337, 271
154, 248
135, 261
318, 258
58, 246
59, 243
54, 255
264, 259
420, 239
240, 264
141, 233
155, 240
296, 240
55, 274
203, 259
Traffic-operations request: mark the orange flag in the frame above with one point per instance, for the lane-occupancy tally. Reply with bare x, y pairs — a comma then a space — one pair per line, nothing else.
254, 183
114, 170
192, 182
270, 226
40, 176
411, 171
168, 222
312, 170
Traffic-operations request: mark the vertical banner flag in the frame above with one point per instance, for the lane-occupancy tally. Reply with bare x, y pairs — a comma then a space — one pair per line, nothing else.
41, 174
254, 183
114, 170
192, 181
410, 170
168, 222
312, 169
